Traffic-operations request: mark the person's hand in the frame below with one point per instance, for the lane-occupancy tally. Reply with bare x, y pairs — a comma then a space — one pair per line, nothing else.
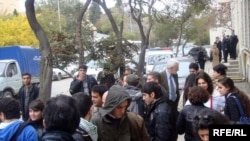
81, 76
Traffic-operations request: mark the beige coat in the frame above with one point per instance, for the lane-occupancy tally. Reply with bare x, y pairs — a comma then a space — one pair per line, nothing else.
214, 53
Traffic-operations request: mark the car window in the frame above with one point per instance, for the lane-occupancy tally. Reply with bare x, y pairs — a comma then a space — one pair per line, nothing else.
152, 59
160, 67
183, 69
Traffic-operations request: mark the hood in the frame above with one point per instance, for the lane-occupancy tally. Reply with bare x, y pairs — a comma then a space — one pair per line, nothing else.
116, 95
134, 93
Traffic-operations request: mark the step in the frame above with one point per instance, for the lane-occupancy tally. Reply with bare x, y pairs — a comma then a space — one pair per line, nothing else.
233, 62
233, 69
232, 66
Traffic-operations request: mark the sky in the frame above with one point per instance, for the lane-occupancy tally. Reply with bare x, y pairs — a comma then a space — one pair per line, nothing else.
110, 3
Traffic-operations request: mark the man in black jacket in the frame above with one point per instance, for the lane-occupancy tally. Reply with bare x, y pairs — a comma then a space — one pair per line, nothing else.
61, 118
26, 94
83, 82
158, 116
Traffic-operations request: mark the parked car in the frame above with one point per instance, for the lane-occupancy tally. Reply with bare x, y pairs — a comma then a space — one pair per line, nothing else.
194, 51
183, 68
59, 74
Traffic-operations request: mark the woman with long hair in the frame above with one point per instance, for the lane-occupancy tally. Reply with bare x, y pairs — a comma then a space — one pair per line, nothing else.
204, 80
227, 88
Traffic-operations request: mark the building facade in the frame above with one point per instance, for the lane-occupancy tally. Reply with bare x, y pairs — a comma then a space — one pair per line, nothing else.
240, 14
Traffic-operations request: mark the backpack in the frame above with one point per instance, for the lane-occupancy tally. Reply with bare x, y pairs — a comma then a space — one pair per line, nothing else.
84, 134
19, 130
244, 119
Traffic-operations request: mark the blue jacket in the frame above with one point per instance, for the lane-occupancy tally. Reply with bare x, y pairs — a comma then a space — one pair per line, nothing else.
28, 133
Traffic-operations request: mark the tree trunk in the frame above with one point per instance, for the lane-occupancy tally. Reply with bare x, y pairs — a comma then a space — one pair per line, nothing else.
46, 53
79, 43
118, 33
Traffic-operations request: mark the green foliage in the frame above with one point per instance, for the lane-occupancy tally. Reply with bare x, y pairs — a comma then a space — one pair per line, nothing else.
106, 49
94, 12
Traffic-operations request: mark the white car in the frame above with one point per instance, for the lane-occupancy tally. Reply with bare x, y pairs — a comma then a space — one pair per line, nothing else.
59, 74
94, 68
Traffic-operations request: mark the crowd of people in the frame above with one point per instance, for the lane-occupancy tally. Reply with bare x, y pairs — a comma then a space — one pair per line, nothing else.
127, 110
221, 49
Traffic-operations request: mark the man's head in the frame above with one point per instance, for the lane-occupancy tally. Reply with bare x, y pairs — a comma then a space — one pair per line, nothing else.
154, 76
116, 102
97, 93
132, 80
61, 113
26, 78
83, 103
232, 31
151, 91
172, 66
9, 109
82, 70
193, 68
217, 39
104, 96
128, 71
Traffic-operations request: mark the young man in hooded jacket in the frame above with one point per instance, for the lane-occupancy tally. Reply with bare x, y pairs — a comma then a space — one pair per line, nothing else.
115, 123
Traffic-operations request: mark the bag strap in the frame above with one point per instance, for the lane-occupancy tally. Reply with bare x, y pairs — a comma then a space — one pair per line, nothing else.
239, 105
19, 130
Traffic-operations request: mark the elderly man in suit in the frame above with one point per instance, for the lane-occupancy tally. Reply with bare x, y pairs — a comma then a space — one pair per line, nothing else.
169, 80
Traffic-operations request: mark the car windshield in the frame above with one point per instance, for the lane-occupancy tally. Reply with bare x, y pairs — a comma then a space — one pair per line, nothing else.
2, 66
95, 64
152, 59
183, 68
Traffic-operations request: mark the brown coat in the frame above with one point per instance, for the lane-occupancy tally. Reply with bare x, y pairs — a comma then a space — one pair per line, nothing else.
214, 53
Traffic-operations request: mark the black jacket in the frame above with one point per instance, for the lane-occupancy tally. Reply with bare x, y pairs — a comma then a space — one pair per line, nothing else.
81, 135
33, 94
38, 125
77, 86
57, 136
158, 118
231, 108
185, 120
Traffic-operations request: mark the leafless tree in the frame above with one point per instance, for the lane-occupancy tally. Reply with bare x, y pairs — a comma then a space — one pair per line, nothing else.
46, 53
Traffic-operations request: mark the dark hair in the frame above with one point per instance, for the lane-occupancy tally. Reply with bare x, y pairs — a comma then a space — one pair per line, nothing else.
83, 67
203, 75
194, 66
221, 69
36, 105
24, 74
61, 113
155, 75
207, 117
190, 82
10, 108
150, 87
133, 80
243, 97
83, 103
197, 95
100, 89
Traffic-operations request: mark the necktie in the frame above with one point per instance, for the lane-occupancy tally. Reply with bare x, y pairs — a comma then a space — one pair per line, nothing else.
172, 89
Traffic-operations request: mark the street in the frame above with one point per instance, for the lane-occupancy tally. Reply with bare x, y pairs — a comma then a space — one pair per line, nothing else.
61, 87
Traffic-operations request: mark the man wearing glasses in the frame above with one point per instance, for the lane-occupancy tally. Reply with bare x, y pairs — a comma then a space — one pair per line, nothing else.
82, 82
